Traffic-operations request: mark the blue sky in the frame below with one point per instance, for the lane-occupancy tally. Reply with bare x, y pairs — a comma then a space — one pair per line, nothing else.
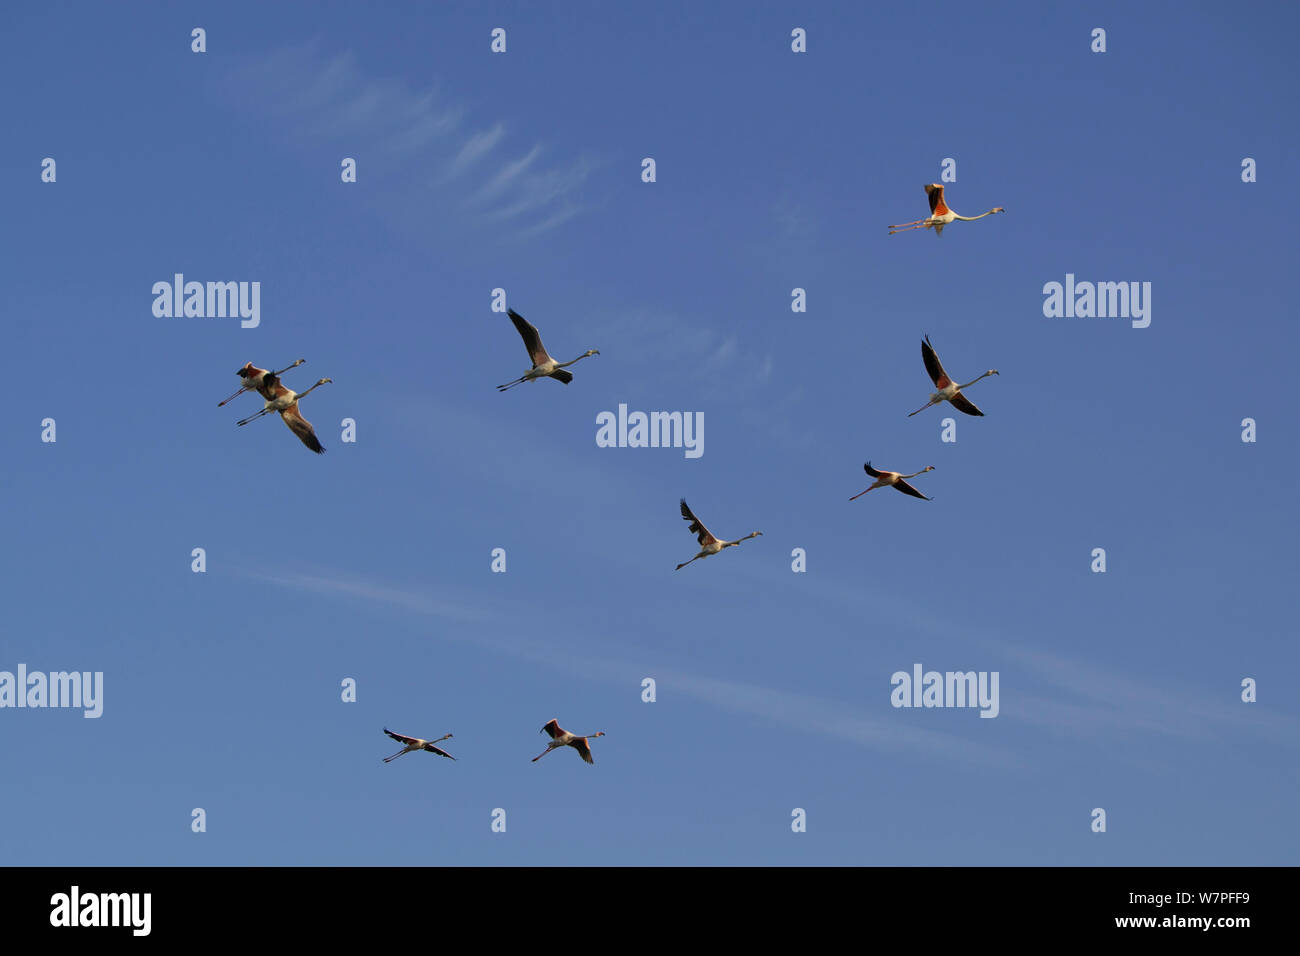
774, 171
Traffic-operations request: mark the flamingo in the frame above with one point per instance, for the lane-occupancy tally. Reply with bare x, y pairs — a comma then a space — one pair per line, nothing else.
562, 738
949, 391
708, 543
886, 478
285, 401
543, 365
940, 214
415, 743
255, 377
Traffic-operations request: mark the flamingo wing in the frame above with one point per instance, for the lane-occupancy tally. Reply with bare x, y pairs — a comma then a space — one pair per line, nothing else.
907, 489
553, 728
302, 428
934, 192
532, 338
933, 367
270, 388
402, 738
964, 404
439, 751
581, 745
697, 527
871, 471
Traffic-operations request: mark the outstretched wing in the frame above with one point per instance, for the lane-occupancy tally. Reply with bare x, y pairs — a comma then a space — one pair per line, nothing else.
401, 738
702, 534
964, 404
582, 747
302, 428
933, 367
553, 728
532, 338
871, 471
934, 192
439, 751
270, 388
907, 489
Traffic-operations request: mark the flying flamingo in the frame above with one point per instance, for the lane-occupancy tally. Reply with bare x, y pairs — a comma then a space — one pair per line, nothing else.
415, 743
940, 214
285, 401
543, 365
886, 478
708, 543
949, 391
255, 377
562, 738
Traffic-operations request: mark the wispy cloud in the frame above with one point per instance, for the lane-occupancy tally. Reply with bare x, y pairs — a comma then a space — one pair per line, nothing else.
1069, 696
419, 144
1095, 698
369, 591
792, 711
706, 350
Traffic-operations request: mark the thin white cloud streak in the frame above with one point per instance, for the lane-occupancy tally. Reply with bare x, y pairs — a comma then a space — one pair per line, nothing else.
659, 338
414, 145
1093, 698
1126, 703
369, 591
791, 711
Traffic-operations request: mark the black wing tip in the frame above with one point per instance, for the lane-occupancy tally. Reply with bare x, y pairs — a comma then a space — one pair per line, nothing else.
313, 443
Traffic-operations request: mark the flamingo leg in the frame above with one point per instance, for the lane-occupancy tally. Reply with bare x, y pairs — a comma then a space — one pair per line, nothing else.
541, 755
923, 225
922, 408
394, 756
247, 387
235, 396
508, 385
912, 223
861, 493
265, 411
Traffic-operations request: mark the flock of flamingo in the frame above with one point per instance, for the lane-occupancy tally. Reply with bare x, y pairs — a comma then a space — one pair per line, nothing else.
278, 398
